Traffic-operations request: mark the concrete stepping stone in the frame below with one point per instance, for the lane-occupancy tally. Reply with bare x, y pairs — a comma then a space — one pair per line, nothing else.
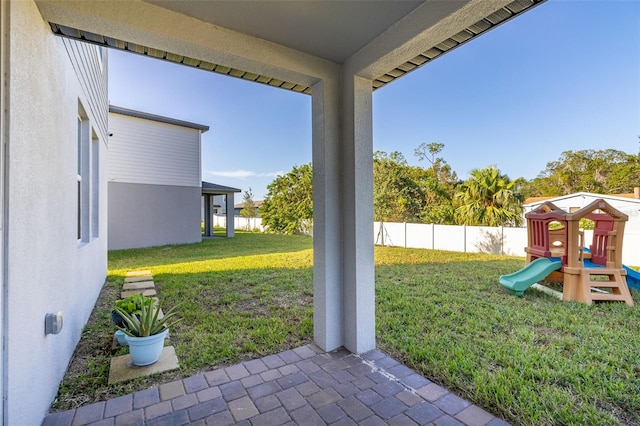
147, 292
139, 285
137, 273
122, 368
138, 278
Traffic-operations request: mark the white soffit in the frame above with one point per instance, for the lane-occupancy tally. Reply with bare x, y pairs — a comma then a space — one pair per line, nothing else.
331, 30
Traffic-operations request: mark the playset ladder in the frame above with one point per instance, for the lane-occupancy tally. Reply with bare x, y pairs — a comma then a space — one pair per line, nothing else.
615, 282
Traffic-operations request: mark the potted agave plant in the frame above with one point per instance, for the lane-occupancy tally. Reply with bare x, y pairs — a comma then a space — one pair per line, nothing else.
145, 332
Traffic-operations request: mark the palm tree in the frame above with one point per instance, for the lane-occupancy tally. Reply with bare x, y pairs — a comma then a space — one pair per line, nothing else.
488, 198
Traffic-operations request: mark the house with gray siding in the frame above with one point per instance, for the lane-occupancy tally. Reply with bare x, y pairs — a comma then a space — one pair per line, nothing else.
154, 180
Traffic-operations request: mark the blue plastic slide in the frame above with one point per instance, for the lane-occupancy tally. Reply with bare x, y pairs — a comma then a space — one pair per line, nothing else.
540, 268
633, 277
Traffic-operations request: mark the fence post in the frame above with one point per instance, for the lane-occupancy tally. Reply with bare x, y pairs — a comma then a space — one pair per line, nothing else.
464, 237
405, 234
433, 236
502, 240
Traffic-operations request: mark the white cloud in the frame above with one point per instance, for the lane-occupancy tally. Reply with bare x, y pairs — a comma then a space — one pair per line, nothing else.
243, 174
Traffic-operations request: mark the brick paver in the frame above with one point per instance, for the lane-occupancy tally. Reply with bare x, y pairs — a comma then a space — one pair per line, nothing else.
171, 390
273, 361
267, 403
117, 406
264, 389
401, 420
185, 401
209, 394
195, 383
232, 390
447, 421
236, 372
305, 352
157, 410
243, 408
307, 416
291, 399
270, 375
424, 413
474, 416
432, 392
255, 366
388, 408
355, 408
62, 418
303, 386
331, 413
451, 404
292, 380
275, 417
89, 414
206, 409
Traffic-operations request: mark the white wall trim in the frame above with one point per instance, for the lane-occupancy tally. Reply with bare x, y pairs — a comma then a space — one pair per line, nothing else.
5, 10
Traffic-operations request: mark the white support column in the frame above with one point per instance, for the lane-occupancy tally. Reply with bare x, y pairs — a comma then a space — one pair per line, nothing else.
208, 227
357, 214
4, 205
327, 221
343, 275
230, 222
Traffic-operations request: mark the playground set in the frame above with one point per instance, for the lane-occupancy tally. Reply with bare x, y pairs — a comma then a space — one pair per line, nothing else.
556, 253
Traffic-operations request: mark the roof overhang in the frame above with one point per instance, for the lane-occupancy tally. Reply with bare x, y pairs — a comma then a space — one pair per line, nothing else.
209, 188
145, 115
280, 43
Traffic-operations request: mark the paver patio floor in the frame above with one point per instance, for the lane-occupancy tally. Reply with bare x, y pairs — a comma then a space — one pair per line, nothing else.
303, 386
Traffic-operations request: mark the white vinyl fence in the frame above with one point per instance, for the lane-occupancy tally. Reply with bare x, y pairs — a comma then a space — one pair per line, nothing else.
239, 222
471, 239
482, 239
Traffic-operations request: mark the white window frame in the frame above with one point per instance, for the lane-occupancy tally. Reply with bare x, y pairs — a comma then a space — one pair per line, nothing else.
95, 186
87, 180
79, 174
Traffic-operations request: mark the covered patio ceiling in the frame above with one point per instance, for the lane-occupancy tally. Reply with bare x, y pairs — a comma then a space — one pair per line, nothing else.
331, 30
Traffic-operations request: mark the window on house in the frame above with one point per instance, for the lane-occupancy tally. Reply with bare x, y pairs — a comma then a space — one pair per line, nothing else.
79, 178
95, 185
85, 179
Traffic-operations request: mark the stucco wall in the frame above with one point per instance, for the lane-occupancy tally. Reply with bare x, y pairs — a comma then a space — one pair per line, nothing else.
48, 270
152, 215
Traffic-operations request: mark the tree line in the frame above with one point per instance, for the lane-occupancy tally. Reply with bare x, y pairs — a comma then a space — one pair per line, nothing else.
434, 194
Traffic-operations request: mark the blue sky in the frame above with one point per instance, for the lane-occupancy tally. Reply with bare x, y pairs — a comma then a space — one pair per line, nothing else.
564, 76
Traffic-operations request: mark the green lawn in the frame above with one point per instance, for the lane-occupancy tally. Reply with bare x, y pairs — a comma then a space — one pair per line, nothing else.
531, 360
